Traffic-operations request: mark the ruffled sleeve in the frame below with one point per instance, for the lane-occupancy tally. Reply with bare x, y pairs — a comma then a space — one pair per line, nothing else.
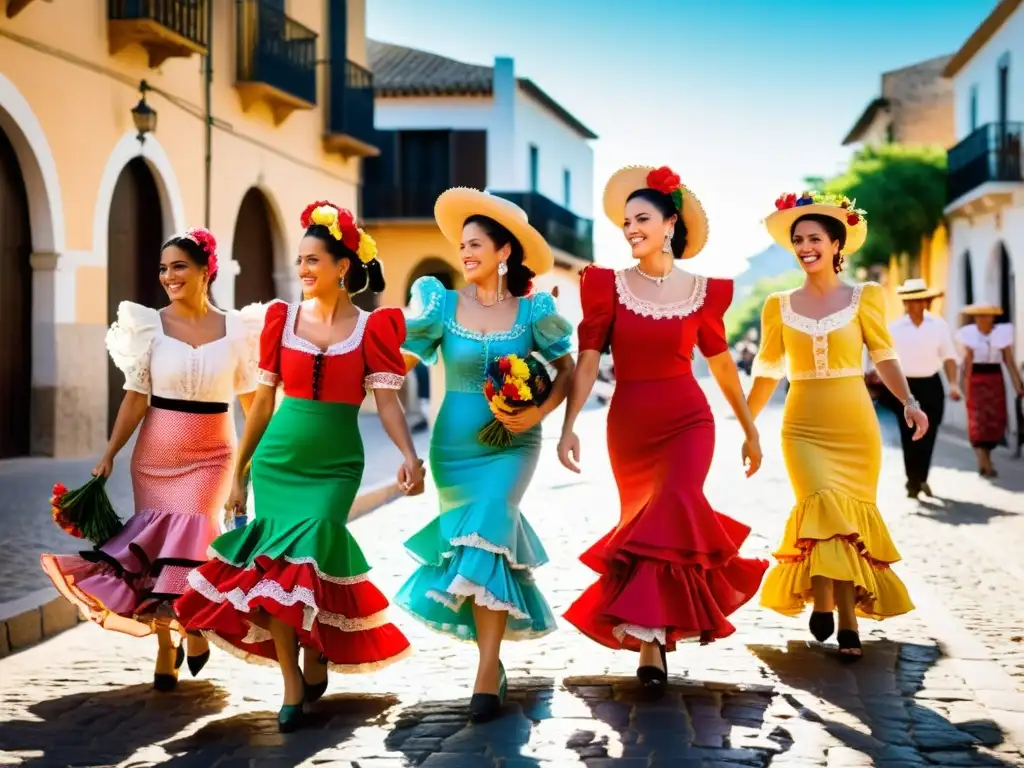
269, 373
424, 320
872, 323
382, 349
597, 295
711, 337
1002, 335
770, 362
552, 333
130, 344
250, 321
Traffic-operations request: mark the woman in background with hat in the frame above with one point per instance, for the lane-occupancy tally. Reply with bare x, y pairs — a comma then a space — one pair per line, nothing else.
836, 550
670, 570
987, 346
477, 556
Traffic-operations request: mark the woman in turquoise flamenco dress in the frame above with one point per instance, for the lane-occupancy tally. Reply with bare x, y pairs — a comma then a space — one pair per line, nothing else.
474, 582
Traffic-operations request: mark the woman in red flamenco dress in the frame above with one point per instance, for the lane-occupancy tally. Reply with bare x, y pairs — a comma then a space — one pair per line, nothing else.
670, 571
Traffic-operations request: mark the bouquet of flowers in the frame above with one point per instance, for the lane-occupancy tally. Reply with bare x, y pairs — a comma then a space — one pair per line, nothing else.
512, 383
86, 512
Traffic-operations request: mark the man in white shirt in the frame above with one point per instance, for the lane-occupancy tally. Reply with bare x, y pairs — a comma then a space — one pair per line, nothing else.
924, 344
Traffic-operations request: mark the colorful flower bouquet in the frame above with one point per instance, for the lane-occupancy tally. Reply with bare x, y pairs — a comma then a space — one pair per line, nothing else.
512, 384
86, 512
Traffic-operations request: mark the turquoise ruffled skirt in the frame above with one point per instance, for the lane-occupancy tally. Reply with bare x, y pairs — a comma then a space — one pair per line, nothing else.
480, 549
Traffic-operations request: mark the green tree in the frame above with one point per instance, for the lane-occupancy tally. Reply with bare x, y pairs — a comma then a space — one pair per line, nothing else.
746, 314
903, 190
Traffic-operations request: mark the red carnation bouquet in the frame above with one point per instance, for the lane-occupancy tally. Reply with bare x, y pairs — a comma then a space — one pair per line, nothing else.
512, 384
86, 512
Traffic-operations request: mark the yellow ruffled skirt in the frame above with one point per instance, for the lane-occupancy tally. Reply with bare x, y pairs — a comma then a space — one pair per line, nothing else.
832, 447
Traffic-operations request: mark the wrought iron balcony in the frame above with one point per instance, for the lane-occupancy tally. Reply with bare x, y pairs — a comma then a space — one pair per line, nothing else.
165, 28
562, 228
992, 153
276, 60
350, 128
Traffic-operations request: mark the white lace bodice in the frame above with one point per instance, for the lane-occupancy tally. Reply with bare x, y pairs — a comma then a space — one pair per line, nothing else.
156, 364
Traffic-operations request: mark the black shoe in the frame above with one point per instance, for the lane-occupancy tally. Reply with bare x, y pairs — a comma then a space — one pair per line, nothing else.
484, 707
654, 680
822, 625
314, 692
166, 683
196, 663
849, 640
290, 718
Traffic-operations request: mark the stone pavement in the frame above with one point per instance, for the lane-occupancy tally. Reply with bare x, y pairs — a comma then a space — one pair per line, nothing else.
940, 686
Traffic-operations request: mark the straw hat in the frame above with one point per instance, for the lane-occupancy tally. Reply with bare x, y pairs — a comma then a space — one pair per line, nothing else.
916, 288
628, 180
456, 205
789, 208
974, 310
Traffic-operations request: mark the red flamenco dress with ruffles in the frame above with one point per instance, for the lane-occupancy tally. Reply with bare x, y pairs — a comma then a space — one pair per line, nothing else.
296, 560
670, 571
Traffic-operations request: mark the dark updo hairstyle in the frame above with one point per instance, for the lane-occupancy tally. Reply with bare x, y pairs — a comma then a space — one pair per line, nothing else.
199, 254
360, 276
520, 277
666, 206
835, 230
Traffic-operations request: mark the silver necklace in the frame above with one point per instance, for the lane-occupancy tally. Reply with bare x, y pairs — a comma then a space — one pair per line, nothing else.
501, 297
656, 280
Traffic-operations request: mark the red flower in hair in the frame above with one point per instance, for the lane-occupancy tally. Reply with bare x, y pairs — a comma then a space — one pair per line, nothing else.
306, 219
346, 222
664, 180
204, 239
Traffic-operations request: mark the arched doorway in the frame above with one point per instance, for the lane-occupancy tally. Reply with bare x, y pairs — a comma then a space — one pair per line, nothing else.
135, 233
253, 249
15, 305
968, 279
1006, 284
431, 266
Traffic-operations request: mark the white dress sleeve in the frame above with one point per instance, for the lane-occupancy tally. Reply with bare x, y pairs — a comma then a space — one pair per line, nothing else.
1002, 336
247, 347
130, 344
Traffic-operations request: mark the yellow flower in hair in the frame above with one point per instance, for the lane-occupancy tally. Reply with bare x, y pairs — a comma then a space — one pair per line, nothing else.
519, 367
367, 248
325, 215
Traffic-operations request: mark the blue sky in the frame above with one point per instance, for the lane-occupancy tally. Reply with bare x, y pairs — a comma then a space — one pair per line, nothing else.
742, 98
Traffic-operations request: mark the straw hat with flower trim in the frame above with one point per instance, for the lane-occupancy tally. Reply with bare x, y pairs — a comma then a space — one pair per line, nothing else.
915, 288
974, 310
628, 180
456, 205
789, 207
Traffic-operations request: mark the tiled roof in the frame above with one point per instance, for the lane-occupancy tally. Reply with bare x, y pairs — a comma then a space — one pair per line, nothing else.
401, 71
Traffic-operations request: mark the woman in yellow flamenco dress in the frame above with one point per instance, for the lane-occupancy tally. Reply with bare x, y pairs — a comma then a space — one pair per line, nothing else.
836, 551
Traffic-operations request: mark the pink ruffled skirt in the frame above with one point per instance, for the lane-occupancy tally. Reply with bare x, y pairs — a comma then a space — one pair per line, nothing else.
181, 478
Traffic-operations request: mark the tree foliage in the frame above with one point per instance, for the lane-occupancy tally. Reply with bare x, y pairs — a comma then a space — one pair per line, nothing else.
903, 190
746, 314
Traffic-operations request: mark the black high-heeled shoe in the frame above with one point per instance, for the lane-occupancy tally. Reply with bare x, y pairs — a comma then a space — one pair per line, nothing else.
849, 640
291, 717
654, 680
822, 625
197, 662
316, 690
166, 682
484, 707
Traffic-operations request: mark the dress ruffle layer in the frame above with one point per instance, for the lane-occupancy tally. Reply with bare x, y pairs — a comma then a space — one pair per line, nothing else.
145, 564
666, 583
476, 555
311, 575
834, 535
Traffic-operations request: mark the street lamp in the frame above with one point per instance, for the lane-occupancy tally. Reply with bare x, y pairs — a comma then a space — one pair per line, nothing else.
143, 115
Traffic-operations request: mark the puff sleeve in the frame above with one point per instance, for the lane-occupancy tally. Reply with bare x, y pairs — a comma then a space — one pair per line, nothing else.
711, 334
382, 349
1002, 336
424, 320
872, 324
247, 347
770, 361
130, 344
552, 333
597, 295
269, 374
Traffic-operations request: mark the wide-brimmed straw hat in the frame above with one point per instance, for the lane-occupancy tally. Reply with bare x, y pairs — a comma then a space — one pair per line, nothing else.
628, 180
456, 205
974, 310
916, 288
790, 207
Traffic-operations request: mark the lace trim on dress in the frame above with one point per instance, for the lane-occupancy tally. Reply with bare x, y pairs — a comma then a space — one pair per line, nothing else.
383, 380
643, 634
267, 379
342, 347
345, 669
881, 355
661, 311
761, 369
819, 330
461, 588
830, 373
514, 332
476, 541
213, 554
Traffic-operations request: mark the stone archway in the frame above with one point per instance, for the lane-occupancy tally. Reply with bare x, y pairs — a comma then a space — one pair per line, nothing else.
432, 266
253, 248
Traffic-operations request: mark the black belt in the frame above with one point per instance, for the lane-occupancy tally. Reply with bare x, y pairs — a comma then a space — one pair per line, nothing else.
987, 368
187, 406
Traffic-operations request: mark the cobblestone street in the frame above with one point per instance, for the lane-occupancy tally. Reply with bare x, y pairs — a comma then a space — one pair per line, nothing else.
944, 685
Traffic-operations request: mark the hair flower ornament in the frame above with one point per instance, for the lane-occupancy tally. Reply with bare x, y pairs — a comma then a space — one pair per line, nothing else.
667, 181
854, 215
342, 225
367, 250
205, 240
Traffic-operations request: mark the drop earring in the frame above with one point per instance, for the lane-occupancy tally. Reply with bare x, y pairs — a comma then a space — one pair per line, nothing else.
502, 271
341, 282
666, 246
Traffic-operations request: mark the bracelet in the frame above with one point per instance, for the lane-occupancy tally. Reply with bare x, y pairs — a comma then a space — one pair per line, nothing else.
911, 402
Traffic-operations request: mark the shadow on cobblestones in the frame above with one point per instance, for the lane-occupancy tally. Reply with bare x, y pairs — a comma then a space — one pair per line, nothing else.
881, 710
108, 727
953, 512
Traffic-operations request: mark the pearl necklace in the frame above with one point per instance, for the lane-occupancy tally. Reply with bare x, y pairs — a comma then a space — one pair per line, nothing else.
656, 280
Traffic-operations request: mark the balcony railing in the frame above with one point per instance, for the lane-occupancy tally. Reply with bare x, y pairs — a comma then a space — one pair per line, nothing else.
277, 53
350, 111
991, 153
381, 201
562, 228
165, 28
